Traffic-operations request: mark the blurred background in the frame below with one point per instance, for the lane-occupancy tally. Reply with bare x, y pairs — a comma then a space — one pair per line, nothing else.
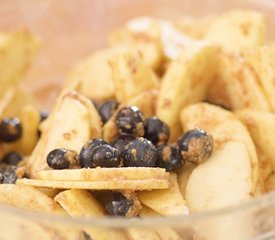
72, 29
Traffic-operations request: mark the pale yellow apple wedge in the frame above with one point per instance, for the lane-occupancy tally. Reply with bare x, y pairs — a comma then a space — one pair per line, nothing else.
80, 203
185, 82
165, 202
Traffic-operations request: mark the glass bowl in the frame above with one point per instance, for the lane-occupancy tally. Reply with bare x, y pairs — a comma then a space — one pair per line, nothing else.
69, 31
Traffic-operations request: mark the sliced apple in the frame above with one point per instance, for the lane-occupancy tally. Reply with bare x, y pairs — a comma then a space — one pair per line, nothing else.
17, 51
14, 99
237, 85
265, 165
165, 232
165, 202
262, 61
28, 197
183, 176
145, 184
30, 119
94, 174
19, 228
92, 77
185, 81
72, 123
110, 130
143, 34
80, 203
225, 179
131, 76
146, 102
261, 126
270, 183
224, 126
237, 30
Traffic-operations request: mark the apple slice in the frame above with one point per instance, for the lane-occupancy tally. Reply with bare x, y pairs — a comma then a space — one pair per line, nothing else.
72, 123
261, 126
262, 61
164, 233
185, 82
146, 184
131, 76
30, 119
92, 77
146, 102
28, 197
237, 30
17, 51
237, 85
183, 176
80, 203
225, 179
224, 126
270, 183
96, 174
143, 33
165, 202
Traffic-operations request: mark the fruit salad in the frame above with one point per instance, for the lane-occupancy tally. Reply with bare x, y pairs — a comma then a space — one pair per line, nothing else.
168, 120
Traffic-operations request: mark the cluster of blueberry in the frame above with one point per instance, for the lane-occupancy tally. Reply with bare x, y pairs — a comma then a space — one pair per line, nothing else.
141, 143
11, 131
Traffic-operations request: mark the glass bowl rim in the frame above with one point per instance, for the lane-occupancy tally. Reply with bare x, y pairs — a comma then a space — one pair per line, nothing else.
258, 203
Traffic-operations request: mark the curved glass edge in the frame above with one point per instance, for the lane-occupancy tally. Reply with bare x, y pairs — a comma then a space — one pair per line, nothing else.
111, 222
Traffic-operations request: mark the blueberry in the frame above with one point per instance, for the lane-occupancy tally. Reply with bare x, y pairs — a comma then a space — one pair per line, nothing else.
139, 153
156, 131
130, 121
12, 158
43, 116
169, 157
121, 142
195, 146
118, 205
86, 152
10, 130
107, 109
1, 177
105, 156
62, 158
8, 174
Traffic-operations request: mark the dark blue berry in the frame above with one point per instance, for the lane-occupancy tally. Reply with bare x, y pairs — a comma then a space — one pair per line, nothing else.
1, 177
156, 131
87, 150
121, 142
169, 157
8, 174
139, 153
118, 205
105, 156
130, 121
10, 130
107, 109
195, 146
12, 158
62, 158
